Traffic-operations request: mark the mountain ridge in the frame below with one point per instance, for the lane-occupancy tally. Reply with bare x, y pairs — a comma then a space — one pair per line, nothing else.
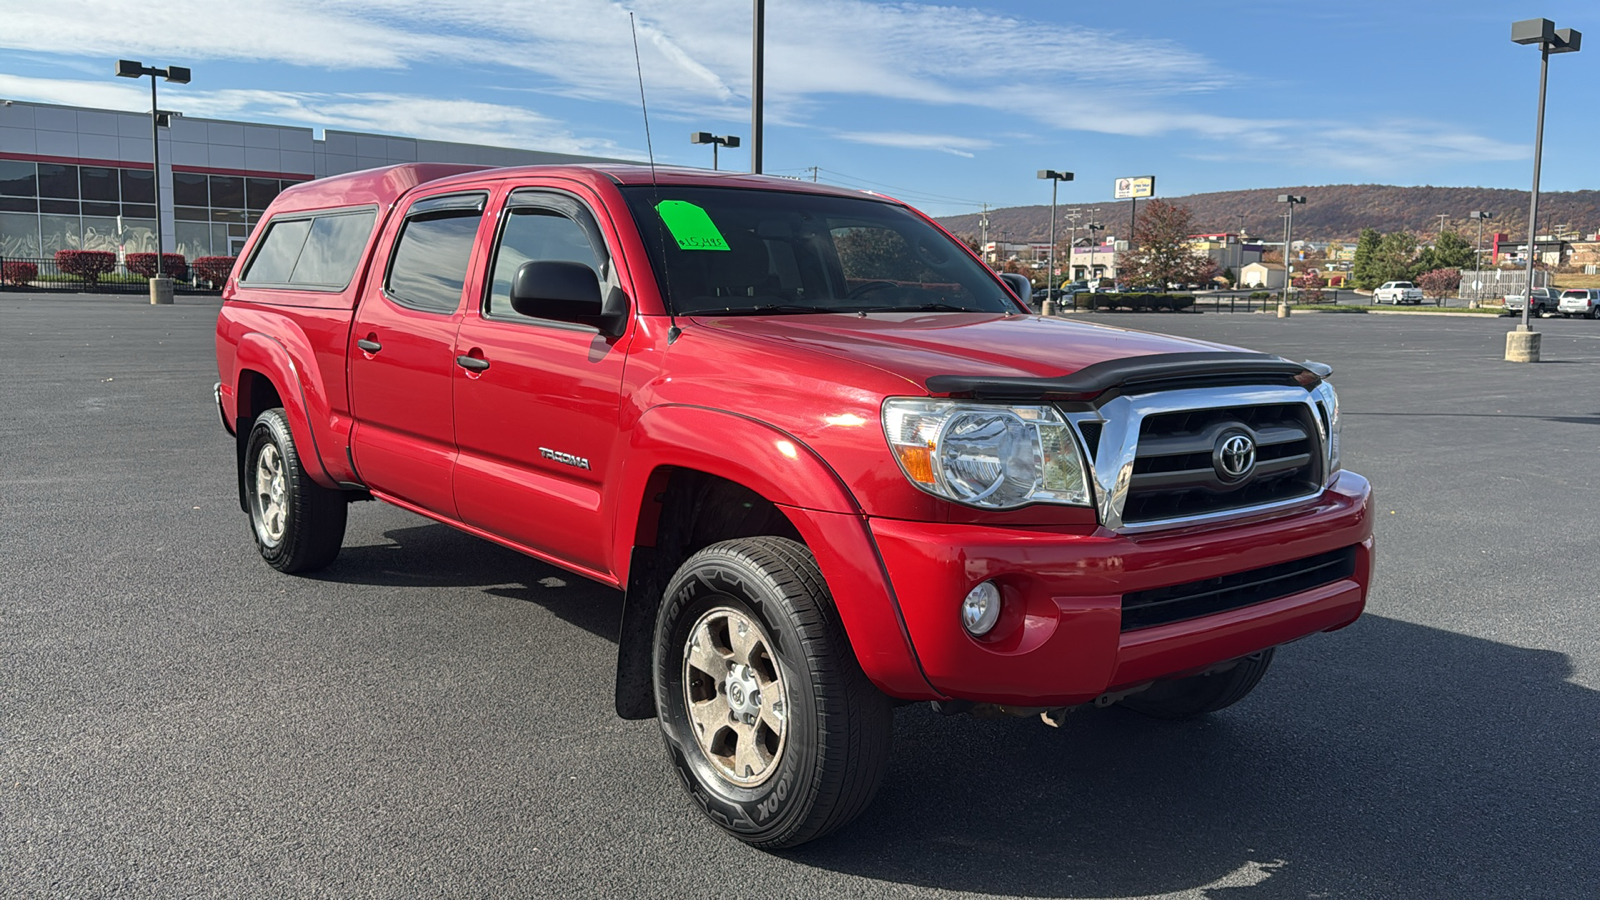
1332, 212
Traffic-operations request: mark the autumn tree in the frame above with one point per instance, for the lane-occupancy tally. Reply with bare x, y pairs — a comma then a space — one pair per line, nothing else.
1440, 283
1162, 254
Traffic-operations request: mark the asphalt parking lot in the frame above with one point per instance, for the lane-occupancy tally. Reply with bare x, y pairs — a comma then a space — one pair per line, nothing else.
431, 716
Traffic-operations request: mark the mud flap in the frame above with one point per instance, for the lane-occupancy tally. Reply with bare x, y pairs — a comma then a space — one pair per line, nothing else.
635, 688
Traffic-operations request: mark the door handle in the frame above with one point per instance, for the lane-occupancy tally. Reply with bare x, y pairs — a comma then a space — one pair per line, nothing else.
472, 363
369, 345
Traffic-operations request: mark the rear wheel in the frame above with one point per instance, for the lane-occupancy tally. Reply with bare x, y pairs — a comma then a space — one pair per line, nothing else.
1594, 311
298, 524
774, 729
1185, 698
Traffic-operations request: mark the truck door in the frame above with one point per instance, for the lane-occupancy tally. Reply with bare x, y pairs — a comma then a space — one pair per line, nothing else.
537, 423
402, 351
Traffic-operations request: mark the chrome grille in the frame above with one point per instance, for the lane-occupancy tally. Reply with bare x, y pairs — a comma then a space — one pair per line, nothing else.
1175, 470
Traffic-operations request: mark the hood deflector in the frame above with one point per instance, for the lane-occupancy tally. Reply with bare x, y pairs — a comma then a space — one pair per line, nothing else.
1148, 372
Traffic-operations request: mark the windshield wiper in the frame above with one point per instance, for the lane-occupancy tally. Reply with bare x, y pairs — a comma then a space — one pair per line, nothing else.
762, 310
920, 307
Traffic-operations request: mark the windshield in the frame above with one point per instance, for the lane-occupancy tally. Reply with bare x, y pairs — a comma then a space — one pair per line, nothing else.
732, 251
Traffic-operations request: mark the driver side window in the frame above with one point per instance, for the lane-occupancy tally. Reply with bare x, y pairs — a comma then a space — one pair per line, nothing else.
534, 234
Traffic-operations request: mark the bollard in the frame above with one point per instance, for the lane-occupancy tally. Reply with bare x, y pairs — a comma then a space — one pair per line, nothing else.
1522, 344
1049, 308
1283, 310
160, 291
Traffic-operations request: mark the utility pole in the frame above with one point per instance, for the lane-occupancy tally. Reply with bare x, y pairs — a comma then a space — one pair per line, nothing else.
758, 34
1072, 243
983, 229
813, 170
1442, 218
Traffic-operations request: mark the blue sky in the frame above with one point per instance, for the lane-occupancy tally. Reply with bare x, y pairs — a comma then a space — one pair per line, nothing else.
946, 106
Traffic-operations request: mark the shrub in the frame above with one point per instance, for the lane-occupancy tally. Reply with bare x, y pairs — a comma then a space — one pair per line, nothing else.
214, 269
18, 272
1440, 283
1260, 295
86, 265
173, 265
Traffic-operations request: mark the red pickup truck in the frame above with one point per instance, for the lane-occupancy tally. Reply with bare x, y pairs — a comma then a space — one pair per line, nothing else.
832, 459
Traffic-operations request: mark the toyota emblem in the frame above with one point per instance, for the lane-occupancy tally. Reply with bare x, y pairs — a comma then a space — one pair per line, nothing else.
1235, 456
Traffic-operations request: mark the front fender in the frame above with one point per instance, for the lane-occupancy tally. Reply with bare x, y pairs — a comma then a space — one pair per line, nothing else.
783, 470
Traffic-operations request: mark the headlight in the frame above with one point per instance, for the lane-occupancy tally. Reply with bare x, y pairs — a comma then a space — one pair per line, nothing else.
988, 456
1329, 398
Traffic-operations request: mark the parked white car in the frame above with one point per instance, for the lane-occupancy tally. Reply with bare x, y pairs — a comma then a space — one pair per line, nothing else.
1398, 292
1579, 302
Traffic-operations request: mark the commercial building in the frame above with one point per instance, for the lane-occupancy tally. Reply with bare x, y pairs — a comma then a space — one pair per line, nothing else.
75, 178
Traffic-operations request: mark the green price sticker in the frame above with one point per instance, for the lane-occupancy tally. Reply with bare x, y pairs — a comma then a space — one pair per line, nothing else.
690, 226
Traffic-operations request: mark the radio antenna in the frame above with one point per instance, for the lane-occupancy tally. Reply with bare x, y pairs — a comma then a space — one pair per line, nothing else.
672, 316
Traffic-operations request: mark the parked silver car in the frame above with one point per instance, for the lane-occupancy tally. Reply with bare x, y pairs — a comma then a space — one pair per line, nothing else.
1579, 302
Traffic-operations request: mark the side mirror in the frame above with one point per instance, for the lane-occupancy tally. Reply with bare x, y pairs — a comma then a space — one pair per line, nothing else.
567, 292
1019, 285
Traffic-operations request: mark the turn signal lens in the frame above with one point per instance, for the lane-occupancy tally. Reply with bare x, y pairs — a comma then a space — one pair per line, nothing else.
918, 463
981, 610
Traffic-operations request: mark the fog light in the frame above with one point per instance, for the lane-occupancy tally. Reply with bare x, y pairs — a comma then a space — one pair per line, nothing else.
981, 609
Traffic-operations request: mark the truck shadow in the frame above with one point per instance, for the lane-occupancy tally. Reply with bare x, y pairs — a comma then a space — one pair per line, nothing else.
439, 556
1388, 760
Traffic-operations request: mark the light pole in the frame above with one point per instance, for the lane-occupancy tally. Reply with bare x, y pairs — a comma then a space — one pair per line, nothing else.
758, 38
1477, 255
1238, 269
160, 286
716, 141
1055, 181
1072, 242
1288, 236
1522, 345
1092, 227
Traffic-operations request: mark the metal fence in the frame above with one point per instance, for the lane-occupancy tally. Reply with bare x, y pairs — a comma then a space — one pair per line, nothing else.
35, 275
1495, 284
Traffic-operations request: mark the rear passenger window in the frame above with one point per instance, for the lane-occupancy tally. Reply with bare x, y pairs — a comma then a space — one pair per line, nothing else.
318, 252
333, 250
280, 248
429, 265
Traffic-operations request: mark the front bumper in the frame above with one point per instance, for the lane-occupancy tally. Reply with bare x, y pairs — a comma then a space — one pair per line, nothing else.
1060, 640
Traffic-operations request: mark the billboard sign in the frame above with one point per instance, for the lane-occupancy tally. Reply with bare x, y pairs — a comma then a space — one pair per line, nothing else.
1133, 188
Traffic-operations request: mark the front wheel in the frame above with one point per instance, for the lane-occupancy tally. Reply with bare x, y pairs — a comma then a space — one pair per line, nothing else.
1185, 698
776, 732
298, 524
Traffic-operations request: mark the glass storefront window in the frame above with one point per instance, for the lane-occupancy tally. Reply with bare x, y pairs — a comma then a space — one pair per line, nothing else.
99, 183
189, 189
100, 234
102, 209
139, 210
259, 192
19, 204
138, 235
59, 233
59, 207
192, 214
18, 179
58, 181
19, 235
193, 239
227, 191
137, 186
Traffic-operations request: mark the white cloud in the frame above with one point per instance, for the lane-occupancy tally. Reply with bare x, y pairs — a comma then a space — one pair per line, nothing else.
945, 143
695, 60
443, 119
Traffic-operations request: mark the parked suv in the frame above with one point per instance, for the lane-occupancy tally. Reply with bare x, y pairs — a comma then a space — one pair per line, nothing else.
830, 458
1579, 302
1544, 300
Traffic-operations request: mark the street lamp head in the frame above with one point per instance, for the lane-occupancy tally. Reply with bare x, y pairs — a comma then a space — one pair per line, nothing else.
127, 68
701, 137
1290, 199
1533, 31
1053, 175
1480, 215
731, 140
178, 74
1568, 40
